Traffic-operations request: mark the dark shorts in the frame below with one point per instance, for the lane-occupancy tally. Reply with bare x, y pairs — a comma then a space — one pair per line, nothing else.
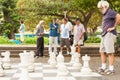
65, 41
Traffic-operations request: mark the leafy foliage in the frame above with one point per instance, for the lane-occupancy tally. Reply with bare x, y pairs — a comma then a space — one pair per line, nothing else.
93, 40
4, 40
11, 18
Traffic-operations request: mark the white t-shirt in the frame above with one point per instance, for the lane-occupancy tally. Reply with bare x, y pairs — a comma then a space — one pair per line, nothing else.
22, 28
70, 25
65, 30
78, 30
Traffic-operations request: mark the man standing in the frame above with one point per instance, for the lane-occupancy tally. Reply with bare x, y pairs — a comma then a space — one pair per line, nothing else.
40, 39
78, 33
109, 23
65, 35
53, 36
58, 31
22, 30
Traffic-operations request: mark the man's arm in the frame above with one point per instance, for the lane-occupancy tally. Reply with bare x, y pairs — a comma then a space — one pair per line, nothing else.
83, 31
81, 36
117, 22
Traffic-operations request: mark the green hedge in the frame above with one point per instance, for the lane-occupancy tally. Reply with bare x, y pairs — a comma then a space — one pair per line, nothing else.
32, 40
93, 40
5, 40
28, 40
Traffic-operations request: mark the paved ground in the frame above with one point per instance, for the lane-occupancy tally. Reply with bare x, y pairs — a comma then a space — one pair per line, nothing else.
94, 64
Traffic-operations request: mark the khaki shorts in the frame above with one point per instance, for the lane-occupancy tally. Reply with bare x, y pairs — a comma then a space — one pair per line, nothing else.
65, 41
107, 43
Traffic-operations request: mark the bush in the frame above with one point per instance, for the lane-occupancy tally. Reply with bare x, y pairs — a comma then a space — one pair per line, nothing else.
5, 40
33, 40
93, 40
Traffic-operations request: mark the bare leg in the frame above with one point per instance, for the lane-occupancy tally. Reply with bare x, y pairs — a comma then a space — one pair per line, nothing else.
79, 49
103, 60
103, 57
61, 49
111, 59
68, 49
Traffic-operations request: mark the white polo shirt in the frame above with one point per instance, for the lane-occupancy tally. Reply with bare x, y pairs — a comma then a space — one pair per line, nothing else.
78, 30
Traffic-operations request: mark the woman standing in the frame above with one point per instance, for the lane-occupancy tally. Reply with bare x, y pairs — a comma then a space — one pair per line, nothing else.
40, 39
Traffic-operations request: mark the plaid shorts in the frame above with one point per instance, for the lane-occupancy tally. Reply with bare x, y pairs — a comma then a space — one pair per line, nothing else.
65, 41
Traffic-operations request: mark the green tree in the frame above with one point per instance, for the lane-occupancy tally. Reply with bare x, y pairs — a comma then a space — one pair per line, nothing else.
75, 8
84, 9
11, 19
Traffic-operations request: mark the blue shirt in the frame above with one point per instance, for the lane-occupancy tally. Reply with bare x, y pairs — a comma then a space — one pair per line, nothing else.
53, 30
108, 21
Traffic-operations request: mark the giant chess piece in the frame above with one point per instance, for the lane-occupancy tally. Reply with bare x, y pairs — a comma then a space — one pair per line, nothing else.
62, 70
50, 57
86, 69
73, 49
31, 68
1, 69
6, 60
77, 64
53, 59
60, 59
24, 57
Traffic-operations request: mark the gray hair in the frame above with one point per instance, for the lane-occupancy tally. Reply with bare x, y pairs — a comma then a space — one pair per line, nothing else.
103, 4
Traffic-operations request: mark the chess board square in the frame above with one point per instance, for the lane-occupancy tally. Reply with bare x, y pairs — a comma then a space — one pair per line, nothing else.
36, 75
79, 74
47, 65
4, 78
17, 75
38, 64
10, 71
72, 69
50, 71
38, 68
49, 74
58, 78
89, 78
15, 66
35, 78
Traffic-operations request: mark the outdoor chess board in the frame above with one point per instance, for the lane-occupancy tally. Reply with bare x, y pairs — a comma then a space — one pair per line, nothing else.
46, 72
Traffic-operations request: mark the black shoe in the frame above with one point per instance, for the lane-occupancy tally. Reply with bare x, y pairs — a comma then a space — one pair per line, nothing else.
42, 56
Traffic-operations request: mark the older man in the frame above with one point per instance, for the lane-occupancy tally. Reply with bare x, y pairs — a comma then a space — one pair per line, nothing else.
40, 39
109, 23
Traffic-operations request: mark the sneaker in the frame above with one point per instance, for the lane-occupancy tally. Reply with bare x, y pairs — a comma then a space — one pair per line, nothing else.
101, 71
109, 72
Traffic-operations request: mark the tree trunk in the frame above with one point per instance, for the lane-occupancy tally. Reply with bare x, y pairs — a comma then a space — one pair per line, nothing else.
11, 34
8, 19
87, 17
